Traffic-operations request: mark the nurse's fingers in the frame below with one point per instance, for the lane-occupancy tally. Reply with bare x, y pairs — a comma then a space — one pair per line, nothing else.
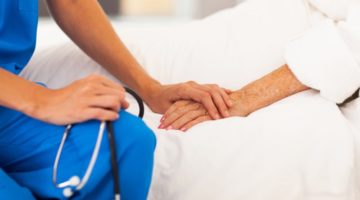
223, 92
102, 86
106, 82
99, 114
187, 118
104, 90
119, 97
228, 91
219, 97
190, 91
226, 96
109, 102
178, 113
221, 100
125, 104
198, 120
116, 88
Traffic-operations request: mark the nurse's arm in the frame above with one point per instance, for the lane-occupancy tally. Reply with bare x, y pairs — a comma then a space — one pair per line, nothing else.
86, 24
94, 97
17, 93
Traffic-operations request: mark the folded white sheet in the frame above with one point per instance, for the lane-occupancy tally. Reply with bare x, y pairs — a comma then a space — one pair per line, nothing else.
301, 148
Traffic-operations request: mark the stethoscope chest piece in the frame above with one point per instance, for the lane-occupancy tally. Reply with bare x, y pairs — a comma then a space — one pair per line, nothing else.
73, 182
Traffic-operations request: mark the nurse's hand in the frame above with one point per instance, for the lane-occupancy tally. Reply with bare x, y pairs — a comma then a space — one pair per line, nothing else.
214, 98
94, 97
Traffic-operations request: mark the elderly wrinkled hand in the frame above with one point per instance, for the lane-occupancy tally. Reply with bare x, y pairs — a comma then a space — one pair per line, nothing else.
183, 115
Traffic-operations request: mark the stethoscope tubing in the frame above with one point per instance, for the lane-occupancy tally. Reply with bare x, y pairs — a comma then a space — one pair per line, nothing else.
115, 169
92, 162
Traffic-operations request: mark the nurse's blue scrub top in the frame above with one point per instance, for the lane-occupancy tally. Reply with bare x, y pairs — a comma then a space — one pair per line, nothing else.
18, 25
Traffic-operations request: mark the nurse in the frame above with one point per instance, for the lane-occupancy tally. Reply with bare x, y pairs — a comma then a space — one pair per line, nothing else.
32, 117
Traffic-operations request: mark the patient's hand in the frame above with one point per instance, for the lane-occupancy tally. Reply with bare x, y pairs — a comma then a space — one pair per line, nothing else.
183, 115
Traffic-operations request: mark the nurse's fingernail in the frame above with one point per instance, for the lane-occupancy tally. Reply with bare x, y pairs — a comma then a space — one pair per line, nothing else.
162, 119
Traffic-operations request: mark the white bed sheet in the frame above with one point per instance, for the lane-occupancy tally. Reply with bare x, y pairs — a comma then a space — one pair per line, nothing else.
301, 148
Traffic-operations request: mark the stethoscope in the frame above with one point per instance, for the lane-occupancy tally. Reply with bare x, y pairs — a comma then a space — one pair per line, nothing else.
74, 184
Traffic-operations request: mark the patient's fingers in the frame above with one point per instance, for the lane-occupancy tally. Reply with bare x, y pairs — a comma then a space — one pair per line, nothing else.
179, 112
175, 106
195, 122
187, 118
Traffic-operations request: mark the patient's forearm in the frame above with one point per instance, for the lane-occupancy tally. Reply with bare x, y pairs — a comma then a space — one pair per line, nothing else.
271, 88
87, 25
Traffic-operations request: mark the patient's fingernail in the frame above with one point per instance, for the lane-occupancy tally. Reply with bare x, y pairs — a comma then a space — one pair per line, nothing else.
183, 129
230, 103
161, 126
162, 119
169, 128
217, 116
227, 114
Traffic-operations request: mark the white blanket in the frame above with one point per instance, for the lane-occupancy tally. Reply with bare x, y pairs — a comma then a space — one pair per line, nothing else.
301, 148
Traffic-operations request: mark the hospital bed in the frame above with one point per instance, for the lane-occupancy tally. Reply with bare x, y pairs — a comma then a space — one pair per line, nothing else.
303, 147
